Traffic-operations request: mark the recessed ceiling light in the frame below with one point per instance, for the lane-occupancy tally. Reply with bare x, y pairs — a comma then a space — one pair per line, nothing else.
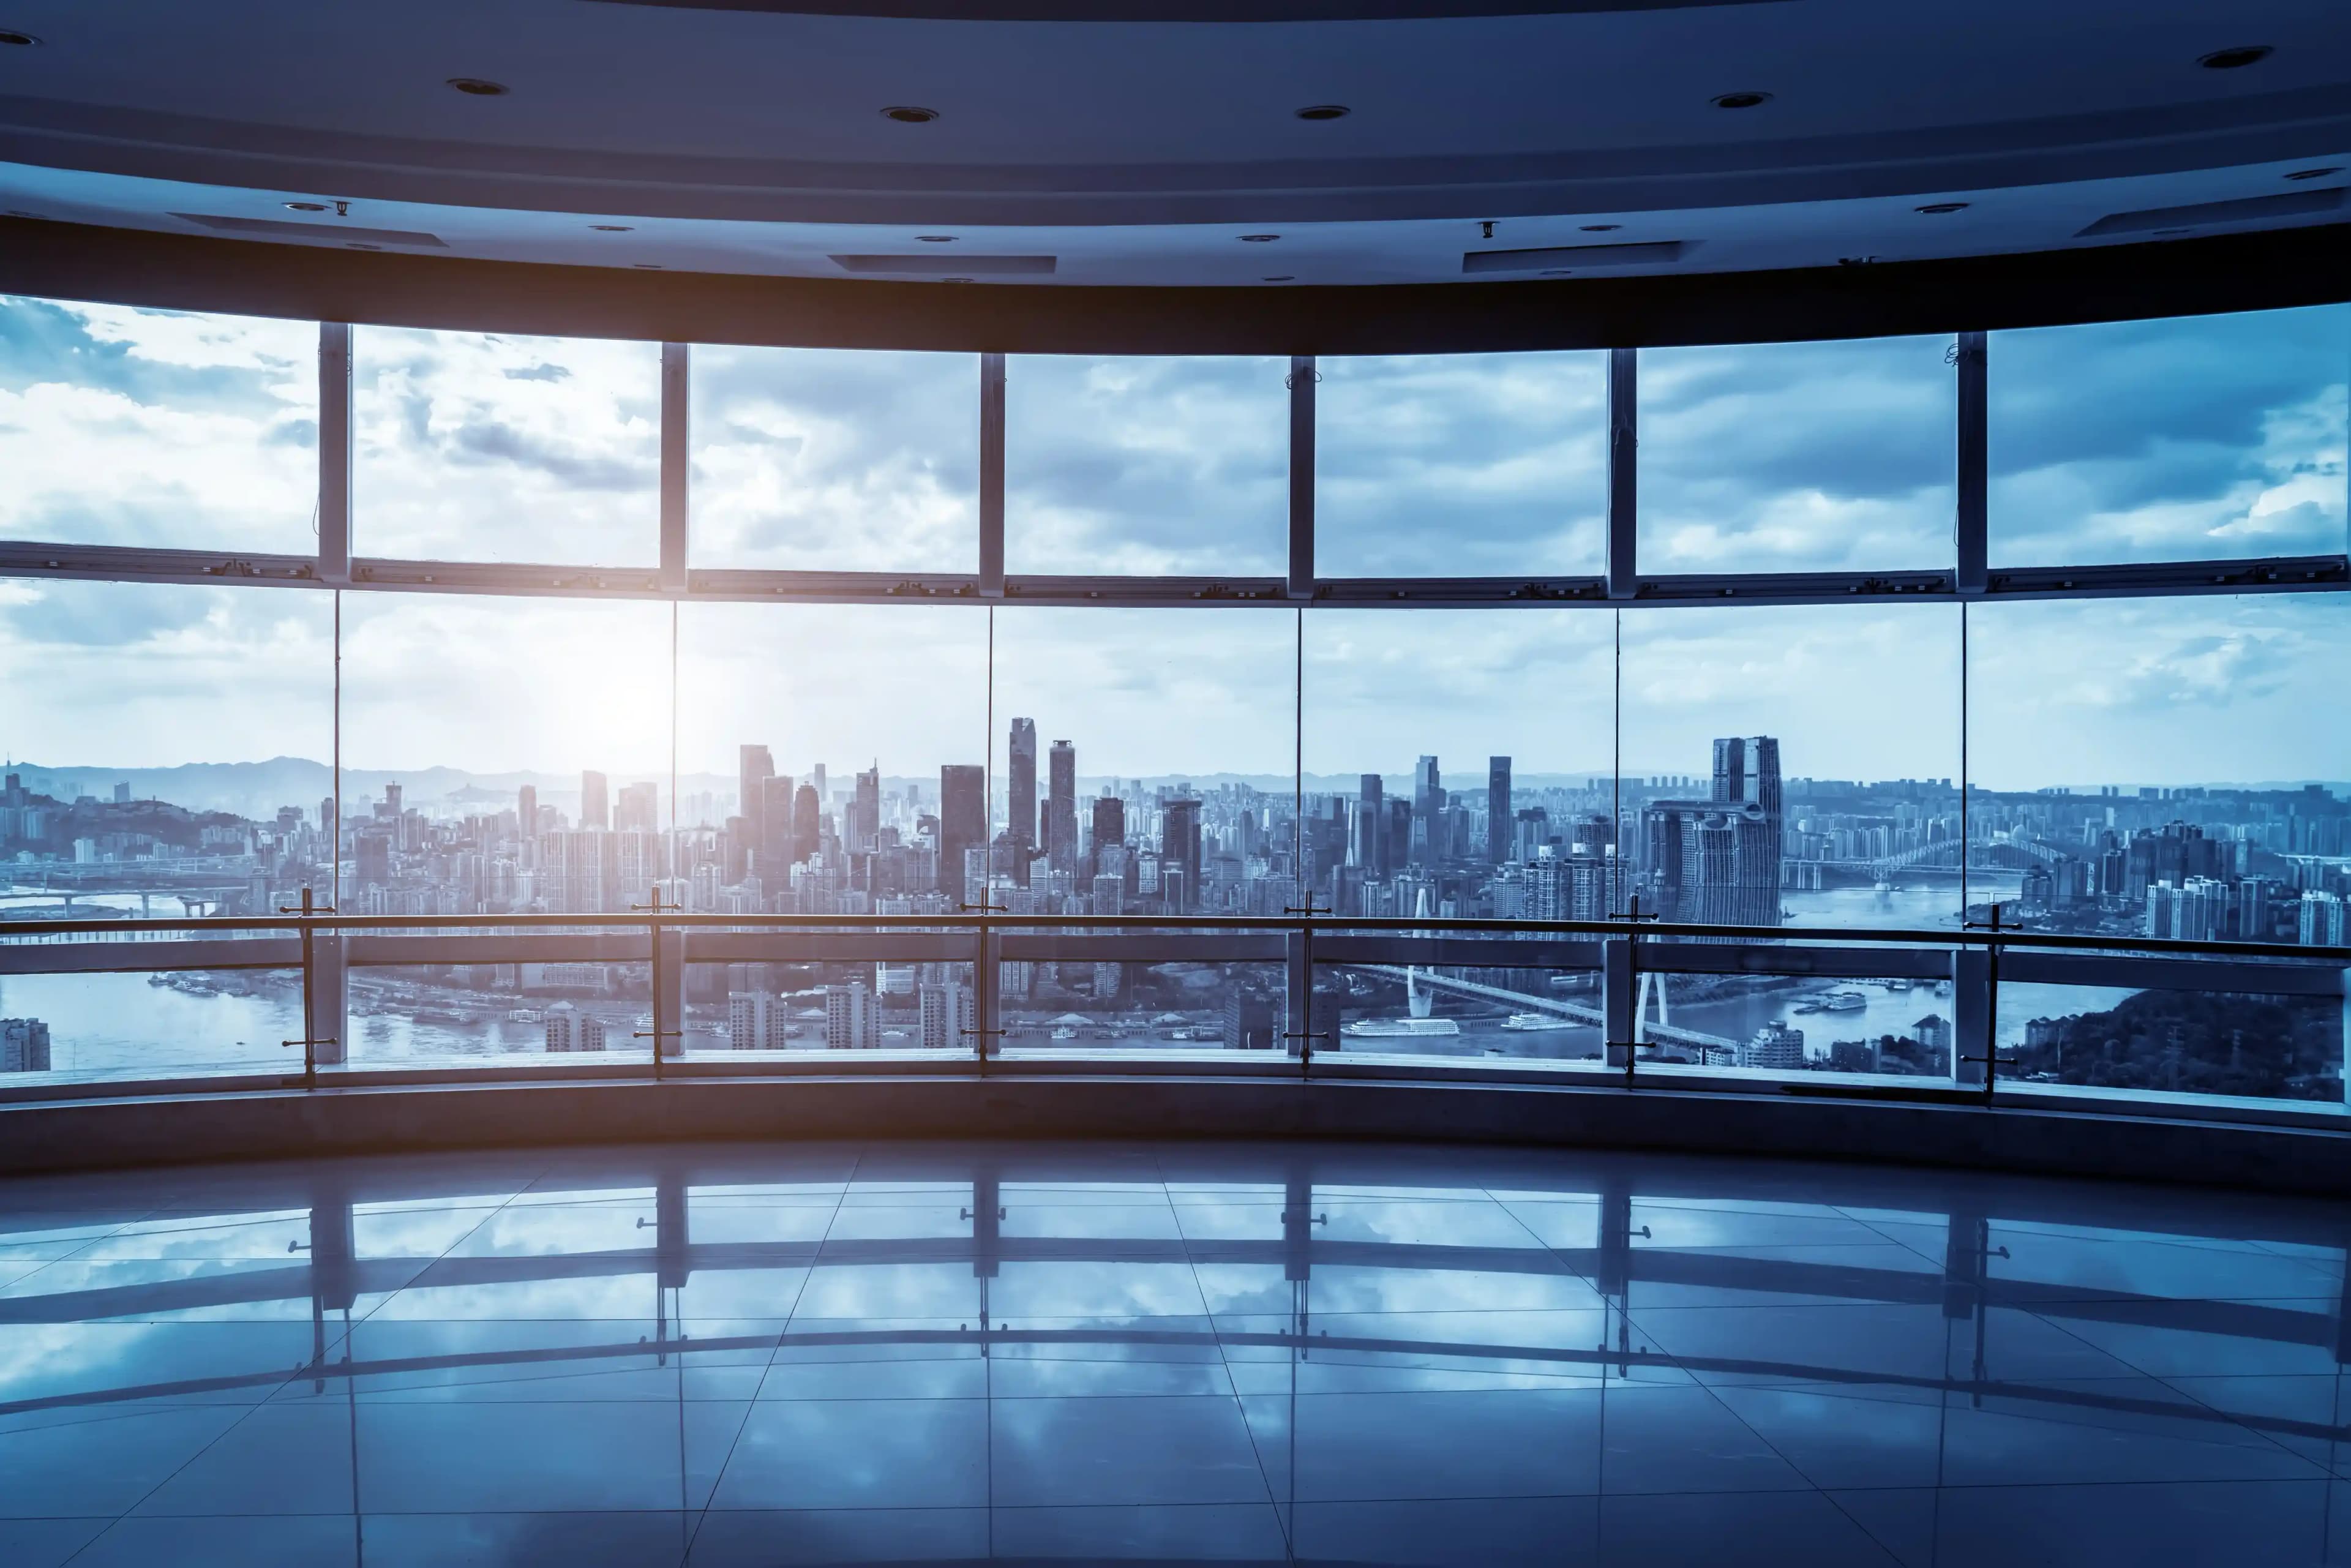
306, 206
1556, 272
2315, 173
1942, 207
2232, 59
936, 239
613, 228
1741, 100
1324, 111
1283, 277
1257, 239
1600, 228
475, 87
908, 114
23, 40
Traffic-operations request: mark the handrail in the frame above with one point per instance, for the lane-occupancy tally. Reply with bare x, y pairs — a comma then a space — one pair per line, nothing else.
1649, 931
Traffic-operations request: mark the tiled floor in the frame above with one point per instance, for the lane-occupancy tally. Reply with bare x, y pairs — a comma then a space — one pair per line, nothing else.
1179, 1354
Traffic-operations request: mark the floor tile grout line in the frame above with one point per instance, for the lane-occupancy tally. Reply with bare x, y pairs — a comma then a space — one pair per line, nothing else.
807, 1274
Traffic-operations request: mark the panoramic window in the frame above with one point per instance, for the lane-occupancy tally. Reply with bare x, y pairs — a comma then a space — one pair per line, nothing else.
2209, 437
478, 447
1147, 466
1462, 465
123, 426
1836, 457
2152, 767
829, 459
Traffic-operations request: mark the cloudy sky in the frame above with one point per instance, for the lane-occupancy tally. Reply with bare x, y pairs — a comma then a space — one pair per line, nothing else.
2210, 437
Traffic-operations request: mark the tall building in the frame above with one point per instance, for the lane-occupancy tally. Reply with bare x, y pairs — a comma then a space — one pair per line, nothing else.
774, 840
949, 1016
1179, 853
852, 1018
1717, 862
1108, 826
1062, 810
1371, 846
1021, 803
639, 811
755, 766
1747, 770
568, 1028
2319, 920
1427, 799
865, 811
807, 815
527, 810
594, 809
962, 827
24, 1045
756, 1020
1775, 1045
1498, 810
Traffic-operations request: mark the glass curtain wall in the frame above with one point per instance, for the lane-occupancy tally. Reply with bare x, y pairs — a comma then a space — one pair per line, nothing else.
2125, 767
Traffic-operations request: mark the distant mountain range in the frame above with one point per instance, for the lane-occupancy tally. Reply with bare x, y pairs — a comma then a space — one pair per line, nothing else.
257, 789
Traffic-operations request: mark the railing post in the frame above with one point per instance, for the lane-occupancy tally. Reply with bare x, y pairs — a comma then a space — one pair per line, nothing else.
1299, 1004
669, 994
988, 987
1617, 1000
1971, 1014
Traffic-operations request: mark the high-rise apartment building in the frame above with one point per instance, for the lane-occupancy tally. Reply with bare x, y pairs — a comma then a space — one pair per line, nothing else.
569, 1030
1498, 810
948, 1016
853, 1018
756, 1020
527, 810
962, 827
595, 811
755, 767
1062, 810
774, 840
1179, 852
1717, 862
24, 1045
1109, 828
1021, 804
639, 811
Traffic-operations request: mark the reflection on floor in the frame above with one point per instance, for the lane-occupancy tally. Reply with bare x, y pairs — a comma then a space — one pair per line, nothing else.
1187, 1353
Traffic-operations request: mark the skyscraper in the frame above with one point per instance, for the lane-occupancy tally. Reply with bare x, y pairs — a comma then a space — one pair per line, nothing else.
806, 812
595, 811
639, 808
751, 794
1110, 826
865, 811
1062, 808
1428, 795
1371, 828
1498, 810
1717, 862
1179, 851
1747, 770
1021, 805
963, 825
527, 810
774, 833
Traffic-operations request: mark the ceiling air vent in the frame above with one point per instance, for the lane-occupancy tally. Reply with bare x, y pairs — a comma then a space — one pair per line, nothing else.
938, 264
2245, 210
342, 233
1575, 258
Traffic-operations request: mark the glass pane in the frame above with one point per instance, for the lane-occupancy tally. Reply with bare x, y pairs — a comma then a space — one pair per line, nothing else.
2202, 438
1780, 1025
1147, 468
832, 757
748, 1010
2173, 1042
1794, 764
503, 756
496, 1015
1799, 456
184, 739
829, 459
1184, 1007
2155, 767
1462, 465
1434, 786
488, 447
121, 426
1149, 761
184, 1023
1506, 1015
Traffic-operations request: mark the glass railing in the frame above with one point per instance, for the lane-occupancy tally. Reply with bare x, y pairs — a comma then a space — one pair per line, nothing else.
1975, 1012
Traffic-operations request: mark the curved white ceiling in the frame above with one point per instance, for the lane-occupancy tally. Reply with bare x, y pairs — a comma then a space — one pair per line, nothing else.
747, 135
